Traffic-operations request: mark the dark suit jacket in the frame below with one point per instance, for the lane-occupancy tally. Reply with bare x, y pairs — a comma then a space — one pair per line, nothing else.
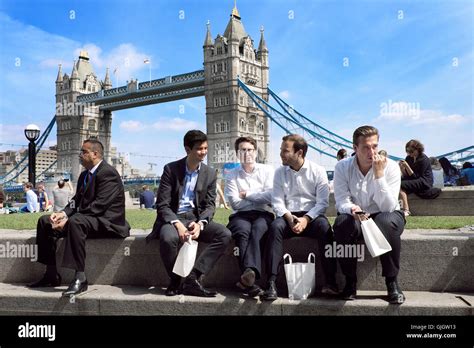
103, 198
421, 170
171, 191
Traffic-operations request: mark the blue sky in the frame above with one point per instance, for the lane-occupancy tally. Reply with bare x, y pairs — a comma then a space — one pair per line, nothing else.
408, 53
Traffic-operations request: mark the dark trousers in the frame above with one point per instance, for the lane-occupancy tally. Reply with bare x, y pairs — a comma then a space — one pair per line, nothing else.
77, 229
248, 229
319, 228
347, 230
218, 237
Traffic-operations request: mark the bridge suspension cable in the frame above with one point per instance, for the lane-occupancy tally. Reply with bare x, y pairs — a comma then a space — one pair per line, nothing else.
291, 121
39, 143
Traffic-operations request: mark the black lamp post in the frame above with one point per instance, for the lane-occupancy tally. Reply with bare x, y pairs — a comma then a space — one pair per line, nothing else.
32, 133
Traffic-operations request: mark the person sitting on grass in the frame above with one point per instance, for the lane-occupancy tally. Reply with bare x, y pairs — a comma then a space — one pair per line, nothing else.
31, 205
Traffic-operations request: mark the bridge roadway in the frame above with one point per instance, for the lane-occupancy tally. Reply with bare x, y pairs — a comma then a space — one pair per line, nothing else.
182, 86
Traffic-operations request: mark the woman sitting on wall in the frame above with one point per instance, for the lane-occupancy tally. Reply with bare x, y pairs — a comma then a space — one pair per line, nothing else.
417, 176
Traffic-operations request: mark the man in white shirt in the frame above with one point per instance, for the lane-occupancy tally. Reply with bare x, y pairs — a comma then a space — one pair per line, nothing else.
249, 192
32, 205
300, 199
368, 183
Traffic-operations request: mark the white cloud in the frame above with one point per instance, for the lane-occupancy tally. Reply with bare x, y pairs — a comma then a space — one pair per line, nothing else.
175, 124
12, 133
132, 126
410, 113
284, 94
125, 58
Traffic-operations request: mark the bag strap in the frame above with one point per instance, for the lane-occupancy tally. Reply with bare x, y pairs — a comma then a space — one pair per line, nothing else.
287, 256
309, 258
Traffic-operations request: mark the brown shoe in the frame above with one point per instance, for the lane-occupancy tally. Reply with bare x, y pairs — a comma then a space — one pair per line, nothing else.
248, 277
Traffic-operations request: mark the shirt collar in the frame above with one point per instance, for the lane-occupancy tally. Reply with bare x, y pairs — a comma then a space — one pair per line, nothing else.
94, 168
252, 172
195, 171
303, 167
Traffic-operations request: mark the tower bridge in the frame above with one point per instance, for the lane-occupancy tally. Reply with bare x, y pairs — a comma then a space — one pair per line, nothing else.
234, 82
230, 112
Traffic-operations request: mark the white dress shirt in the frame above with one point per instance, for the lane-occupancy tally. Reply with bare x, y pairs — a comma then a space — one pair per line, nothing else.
32, 201
258, 186
351, 187
304, 190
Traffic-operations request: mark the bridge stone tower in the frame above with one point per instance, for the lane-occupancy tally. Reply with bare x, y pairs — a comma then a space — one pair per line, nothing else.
230, 112
75, 121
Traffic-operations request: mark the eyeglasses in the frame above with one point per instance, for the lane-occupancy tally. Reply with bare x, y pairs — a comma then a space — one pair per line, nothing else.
242, 151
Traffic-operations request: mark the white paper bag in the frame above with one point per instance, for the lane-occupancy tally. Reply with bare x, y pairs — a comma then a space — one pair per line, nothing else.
374, 239
186, 257
300, 277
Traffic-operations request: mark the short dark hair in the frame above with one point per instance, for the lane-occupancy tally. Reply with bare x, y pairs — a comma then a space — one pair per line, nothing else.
245, 140
61, 183
96, 146
341, 154
28, 185
299, 143
194, 137
364, 131
466, 165
415, 145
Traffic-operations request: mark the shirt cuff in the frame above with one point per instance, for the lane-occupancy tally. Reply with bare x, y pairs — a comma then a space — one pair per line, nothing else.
173, 221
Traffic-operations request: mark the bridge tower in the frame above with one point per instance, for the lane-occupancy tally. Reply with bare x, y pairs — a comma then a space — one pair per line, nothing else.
75, 121
230, 112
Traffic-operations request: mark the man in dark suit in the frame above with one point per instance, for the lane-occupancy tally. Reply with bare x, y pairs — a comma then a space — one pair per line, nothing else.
96, 211
185, 207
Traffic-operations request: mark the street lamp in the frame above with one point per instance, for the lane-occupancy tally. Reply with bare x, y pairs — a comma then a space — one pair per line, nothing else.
32, 133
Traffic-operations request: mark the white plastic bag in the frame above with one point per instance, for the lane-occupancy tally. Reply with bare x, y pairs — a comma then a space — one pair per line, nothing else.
374, 238
186, 258
300, 277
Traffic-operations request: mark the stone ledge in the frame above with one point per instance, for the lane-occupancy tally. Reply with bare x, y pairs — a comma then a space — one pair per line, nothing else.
16, 299
431, 260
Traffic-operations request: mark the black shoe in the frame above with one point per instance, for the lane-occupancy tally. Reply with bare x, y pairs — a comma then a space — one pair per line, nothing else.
194, 288
251, 291
173, 288
350, 291
330, 290
47, 281
395, 295
75, 288
271, 293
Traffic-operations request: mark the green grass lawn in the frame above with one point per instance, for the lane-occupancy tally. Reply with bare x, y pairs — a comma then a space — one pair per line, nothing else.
144, 219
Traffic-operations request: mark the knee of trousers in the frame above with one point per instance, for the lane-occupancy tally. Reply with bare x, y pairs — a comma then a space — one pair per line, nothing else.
240, 232
390, 223
225, 235
73, 222
277, 227
43, 220
169, 240
322, 224
343, 226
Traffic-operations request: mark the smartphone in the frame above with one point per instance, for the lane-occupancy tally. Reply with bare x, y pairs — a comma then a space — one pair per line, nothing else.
66, 180
361, 212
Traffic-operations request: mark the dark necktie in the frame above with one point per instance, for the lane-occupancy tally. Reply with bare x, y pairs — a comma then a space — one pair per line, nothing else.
89, 179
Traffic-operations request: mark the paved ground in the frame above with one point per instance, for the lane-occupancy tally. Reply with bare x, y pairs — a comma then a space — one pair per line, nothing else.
16, 299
